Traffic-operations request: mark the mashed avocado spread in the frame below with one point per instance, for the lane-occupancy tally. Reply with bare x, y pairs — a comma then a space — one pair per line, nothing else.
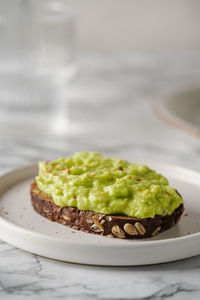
89, 181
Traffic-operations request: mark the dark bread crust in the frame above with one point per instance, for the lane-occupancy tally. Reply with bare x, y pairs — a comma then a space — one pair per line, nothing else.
110, 225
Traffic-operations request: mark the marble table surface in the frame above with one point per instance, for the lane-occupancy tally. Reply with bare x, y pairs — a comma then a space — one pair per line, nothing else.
110, 109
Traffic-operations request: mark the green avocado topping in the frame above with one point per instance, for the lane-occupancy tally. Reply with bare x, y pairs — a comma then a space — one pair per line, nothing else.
89, 181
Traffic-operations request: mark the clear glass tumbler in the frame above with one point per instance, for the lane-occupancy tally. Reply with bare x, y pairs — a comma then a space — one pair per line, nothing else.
36, 64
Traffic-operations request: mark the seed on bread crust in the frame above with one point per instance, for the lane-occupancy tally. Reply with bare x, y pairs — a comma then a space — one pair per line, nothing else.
100, 217
118, 232
97, 223
89, 221
155, 232
140, 228
110, 235
95, 228
130, 229
109, 218
67, 218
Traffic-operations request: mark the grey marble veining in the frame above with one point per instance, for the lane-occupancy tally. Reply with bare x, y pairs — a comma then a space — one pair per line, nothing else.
30, 275
120, 122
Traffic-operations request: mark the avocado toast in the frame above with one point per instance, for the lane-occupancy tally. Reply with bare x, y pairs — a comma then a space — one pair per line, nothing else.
105, 196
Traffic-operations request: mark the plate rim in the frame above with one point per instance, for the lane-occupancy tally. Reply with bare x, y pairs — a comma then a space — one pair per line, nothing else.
144, 243
168, 117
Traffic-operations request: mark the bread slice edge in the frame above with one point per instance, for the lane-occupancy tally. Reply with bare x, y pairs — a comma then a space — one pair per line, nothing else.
116, 226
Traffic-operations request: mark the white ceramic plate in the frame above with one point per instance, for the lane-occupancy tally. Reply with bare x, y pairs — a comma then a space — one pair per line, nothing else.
181, 108
22, 227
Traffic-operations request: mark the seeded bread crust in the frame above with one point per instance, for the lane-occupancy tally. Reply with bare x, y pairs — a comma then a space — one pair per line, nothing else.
116, 226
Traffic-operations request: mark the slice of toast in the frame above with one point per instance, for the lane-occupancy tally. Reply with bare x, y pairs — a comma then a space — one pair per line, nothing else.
117, 226
108, 225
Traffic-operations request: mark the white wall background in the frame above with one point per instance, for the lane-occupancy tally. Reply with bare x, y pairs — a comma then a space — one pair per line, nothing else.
137, 25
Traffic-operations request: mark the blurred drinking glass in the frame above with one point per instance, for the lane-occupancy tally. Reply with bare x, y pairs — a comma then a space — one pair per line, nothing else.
36, 63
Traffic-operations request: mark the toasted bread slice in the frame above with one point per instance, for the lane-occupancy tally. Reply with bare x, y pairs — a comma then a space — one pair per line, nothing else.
108, 225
